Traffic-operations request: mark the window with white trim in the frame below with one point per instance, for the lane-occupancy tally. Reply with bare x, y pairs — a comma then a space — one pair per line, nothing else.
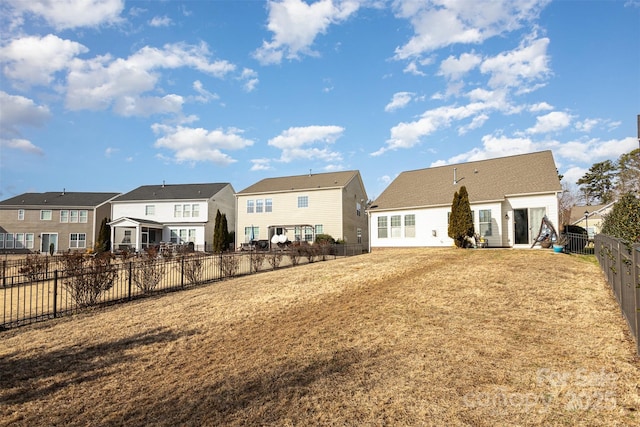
8, 243
186, 211
73, 216
29, 237
45, 215
410, 225
1, 240
308, 234
484, 219
319, 229
250, 206
382, 227
303, 201
358, 209
359, 235
150, 210
64, 216
78, 240
177, 211
396, 226
20, 214
195, 210
259, 205
19, 241
268, 205
251, 233
83, 216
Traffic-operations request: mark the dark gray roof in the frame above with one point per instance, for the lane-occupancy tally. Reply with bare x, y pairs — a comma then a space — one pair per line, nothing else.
302, 182
172, 192
65, 199
485, 180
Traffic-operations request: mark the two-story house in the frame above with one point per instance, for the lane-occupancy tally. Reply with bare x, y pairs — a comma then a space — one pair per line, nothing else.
33, 222
509, 197
180, 214
297, 208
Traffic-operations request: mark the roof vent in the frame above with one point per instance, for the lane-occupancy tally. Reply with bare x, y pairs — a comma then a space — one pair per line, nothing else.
163, 183
455, 176
309, 172
63, 191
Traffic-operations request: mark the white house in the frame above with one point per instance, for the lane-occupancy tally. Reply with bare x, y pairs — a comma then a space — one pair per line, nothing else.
178, 214
297, 208
509, 196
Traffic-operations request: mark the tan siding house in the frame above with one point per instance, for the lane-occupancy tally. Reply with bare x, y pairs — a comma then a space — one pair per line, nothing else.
31, 222
509, 196
296, 208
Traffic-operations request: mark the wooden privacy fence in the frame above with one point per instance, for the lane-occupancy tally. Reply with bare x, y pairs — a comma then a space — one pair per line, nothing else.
47, 291
621, 266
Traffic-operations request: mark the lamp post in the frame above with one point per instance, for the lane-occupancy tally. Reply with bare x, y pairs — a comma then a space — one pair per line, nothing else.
586, 222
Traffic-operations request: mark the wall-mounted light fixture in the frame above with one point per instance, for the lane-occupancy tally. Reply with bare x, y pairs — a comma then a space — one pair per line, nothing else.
434, 233
506, 216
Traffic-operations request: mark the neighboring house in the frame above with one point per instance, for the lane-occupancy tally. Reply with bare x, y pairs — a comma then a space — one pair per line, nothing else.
180, 214
509, 196
590, 217
297, 208
31, 222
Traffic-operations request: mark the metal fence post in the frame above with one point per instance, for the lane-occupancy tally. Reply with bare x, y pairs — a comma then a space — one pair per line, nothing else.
55, 293
130, 278
182, 272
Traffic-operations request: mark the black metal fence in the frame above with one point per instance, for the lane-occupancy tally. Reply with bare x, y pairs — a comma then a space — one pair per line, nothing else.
621, 267
45, 288
577, 243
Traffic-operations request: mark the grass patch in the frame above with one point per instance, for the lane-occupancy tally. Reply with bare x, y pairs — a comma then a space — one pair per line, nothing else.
398, 337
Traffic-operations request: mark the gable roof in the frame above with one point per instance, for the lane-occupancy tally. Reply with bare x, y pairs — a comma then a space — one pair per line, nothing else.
58, 199
172, 192
485, 180
302, 182
595, 212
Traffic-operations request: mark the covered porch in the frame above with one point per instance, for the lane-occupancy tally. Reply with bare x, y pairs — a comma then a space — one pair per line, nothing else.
134, 235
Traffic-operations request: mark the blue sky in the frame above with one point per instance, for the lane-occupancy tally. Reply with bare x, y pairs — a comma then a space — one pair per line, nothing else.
108, 95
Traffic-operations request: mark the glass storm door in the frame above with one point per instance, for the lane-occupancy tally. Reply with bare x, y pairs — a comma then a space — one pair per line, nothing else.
47, 240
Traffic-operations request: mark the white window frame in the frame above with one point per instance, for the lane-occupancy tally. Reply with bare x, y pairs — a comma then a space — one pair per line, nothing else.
8, 242
83, 216
396, 226
410, 225
79, 242
250, 206
177, 211
358, 209
18, 241
268, 205
484, 225
383, 232
259, 205
150, 210
20, 214
1, 240
195, 210
303, 201
64, 216
45, 215
73, 216
30, 239
319, 229
186, 211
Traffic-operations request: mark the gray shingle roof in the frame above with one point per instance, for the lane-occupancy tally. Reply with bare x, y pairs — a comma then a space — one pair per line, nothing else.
301, 182
57, 198
485, 180
172, 192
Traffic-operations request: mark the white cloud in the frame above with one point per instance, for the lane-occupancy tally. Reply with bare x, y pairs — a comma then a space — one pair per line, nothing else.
250, 78
261, 164
595, 150
18, 112
103, 82
295, 25
203, 94
33, 60
438, 23
66, 14
519, 68
587, 125
399, 100
295, 141
408, 134
160, 21
454, 68
541, 106
198, 144
552, 122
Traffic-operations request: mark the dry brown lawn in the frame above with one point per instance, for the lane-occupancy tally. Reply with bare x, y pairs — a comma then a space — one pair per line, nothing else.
396, 337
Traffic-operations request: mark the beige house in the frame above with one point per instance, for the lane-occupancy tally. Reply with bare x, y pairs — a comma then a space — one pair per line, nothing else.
297, 208
34, 222
590, 217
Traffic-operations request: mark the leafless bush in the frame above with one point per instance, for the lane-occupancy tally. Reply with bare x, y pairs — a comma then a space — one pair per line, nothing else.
86, 277
193, 268
294, 255
308, 252
35, 267
257, 259
229, 265
148, 272
275, 258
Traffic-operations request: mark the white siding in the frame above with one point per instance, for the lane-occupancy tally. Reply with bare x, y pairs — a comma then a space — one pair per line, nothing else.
430, 221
